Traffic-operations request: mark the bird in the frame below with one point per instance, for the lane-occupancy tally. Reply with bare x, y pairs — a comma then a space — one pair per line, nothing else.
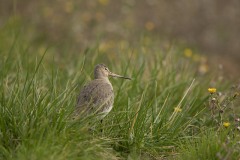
97, 97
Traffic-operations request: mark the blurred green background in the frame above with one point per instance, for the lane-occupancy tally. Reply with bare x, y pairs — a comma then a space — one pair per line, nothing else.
210, 27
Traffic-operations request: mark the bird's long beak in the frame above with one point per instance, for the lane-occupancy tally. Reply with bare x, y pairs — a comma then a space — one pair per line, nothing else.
116, 75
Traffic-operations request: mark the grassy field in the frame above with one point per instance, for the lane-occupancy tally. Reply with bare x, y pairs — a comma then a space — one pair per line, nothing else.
165, 112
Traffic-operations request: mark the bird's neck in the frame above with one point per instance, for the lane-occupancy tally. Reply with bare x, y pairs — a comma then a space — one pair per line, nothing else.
104, 79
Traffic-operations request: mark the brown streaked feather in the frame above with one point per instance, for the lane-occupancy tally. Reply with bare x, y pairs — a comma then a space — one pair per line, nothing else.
97, 95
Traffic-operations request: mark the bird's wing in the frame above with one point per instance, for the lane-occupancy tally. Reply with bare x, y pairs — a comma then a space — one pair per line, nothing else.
95, 93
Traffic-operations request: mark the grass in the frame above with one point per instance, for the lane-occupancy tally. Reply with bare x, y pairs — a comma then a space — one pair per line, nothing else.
162, 113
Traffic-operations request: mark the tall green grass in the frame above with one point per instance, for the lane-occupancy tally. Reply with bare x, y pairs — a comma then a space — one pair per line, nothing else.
39, 86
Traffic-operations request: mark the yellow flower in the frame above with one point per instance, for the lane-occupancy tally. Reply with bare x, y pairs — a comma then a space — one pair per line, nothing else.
177, 109
226, 124
203, 68
103, 2
149, 26
212, 90
188, 52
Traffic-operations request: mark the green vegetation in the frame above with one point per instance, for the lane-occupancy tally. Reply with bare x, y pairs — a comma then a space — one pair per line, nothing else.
165, 111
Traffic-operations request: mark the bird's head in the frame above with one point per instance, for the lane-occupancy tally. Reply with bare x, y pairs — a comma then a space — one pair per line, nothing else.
102, 71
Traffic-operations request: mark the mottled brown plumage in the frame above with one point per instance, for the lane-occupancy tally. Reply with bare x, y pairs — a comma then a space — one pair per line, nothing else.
98, 96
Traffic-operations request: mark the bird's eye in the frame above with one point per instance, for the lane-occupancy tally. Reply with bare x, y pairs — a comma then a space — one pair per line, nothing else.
106, 69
